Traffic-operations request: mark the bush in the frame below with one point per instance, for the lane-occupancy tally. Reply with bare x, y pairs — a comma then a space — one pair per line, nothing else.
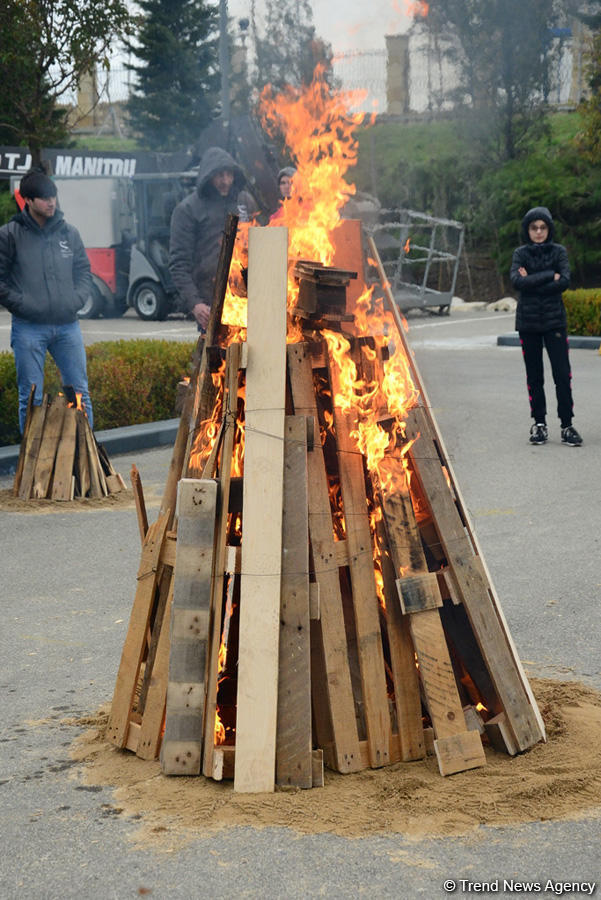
583, 308
130, 382
9, 403
438, 168
8, 206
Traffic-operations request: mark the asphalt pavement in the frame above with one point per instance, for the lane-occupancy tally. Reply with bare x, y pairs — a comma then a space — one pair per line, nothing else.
68, 584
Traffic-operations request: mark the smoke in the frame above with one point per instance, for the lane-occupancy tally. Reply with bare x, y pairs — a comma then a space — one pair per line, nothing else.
352, 26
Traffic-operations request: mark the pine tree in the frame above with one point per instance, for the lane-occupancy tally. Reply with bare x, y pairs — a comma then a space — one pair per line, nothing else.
178, 79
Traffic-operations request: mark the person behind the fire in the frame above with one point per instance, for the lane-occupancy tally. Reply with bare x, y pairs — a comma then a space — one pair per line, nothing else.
44, 280
540, 272
197, 225
285, 188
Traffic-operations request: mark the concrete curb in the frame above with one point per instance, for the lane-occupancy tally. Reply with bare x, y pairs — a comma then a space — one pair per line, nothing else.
576, 342
114, 440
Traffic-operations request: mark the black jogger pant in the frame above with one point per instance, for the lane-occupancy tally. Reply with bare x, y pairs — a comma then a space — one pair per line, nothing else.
556, 343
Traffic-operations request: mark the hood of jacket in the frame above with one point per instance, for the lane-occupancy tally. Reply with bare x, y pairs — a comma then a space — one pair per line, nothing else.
214, 160
537, 212
26, 219
290, 171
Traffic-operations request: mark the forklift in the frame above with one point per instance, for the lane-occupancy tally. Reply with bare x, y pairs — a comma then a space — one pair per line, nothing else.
124, 225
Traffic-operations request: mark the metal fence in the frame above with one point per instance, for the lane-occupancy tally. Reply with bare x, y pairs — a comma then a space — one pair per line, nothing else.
363, 74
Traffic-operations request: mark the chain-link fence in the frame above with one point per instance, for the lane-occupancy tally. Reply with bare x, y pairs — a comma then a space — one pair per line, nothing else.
372, 77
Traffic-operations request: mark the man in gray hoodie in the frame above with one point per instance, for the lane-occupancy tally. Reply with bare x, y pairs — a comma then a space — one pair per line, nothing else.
44, 280
197, 226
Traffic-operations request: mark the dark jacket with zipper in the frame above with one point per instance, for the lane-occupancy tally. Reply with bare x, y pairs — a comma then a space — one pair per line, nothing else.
44, 272
197, 226
540, 305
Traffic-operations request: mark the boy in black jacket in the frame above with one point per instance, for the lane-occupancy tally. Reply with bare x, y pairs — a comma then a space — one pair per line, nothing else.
44, 280
540, 272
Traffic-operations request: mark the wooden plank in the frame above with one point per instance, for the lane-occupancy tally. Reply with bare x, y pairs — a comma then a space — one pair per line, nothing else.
317, 776
135, 641
114, 483
96, 490
520, 704
349, 254
500, 734
459, 752
62, 481
394, 752
24, 440
34, 437
162, 594
150, 737
407, 695
418, 592
205, 391
101, 475
136, 484
53, 427
260, 581
196, 510
180, 445
221, 553
407, 556
365, 598
484, 613
473, 719
293, 744
133, 736
323, 733
189, 416
337, 684
83, 464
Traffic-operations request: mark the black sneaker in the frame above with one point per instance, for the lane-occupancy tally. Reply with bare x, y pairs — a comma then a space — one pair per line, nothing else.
539, 433
570, 437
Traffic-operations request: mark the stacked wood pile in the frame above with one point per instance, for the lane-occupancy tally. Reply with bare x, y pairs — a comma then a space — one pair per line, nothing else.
60, 458
283, 651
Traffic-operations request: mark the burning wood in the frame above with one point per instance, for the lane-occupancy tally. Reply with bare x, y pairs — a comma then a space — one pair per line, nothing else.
342, 564
60, 458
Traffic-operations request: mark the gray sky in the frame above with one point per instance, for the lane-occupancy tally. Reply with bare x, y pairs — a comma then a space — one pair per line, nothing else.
348, 24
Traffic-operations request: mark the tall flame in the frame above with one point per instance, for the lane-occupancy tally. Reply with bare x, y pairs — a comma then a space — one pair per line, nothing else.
319, 131
375, 382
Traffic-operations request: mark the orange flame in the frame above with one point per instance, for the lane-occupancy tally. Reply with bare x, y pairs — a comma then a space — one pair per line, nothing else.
418, 9
375, 383
77, 405
222, 655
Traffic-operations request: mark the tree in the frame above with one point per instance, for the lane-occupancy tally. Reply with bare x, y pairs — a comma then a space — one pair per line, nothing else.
46, 46
503, 51
590, 137
589, 140
178, 79
287, 50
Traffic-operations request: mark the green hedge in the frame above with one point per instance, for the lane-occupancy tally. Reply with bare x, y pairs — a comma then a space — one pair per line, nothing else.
130, 382
583, 308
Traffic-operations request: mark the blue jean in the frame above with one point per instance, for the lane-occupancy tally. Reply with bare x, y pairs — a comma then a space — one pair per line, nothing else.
30, 341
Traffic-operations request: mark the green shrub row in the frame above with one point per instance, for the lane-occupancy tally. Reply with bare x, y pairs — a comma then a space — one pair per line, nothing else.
130, 382
583, 308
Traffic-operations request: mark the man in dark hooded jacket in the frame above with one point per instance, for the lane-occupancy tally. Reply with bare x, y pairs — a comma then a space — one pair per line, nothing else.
44, 280
197, 226
540, 272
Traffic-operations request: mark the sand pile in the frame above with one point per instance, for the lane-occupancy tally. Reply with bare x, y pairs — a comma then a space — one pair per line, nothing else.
557, 780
